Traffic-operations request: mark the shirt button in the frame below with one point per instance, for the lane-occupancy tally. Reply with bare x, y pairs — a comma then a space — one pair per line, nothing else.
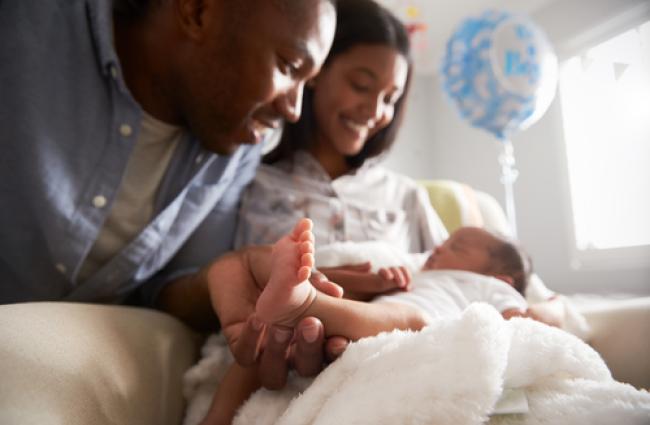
113, 71
199, 158
99, 201
61, 268
126, 130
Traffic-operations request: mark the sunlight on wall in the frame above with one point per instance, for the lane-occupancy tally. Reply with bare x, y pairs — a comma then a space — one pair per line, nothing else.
605, 95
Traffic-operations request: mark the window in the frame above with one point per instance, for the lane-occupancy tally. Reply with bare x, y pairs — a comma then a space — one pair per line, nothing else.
605, 97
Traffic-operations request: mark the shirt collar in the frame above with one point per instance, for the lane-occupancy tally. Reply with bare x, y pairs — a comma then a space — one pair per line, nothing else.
100, 16
305, 163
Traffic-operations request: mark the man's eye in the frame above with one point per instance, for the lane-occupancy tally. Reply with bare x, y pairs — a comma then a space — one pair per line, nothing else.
289, 67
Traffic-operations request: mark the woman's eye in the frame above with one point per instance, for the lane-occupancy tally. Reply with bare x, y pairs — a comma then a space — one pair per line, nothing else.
361, 88
392, 99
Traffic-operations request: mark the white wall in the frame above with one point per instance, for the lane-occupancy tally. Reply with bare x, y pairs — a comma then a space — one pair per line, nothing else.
436, 143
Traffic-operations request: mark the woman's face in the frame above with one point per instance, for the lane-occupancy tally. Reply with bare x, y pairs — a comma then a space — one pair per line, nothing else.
355, 95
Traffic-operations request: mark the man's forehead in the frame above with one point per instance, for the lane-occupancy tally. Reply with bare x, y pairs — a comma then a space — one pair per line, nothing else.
305, 26
297, 11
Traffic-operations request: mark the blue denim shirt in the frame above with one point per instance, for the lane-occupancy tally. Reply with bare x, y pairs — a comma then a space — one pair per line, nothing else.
67, 127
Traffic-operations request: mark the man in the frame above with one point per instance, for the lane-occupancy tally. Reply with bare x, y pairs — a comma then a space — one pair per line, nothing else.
129, 131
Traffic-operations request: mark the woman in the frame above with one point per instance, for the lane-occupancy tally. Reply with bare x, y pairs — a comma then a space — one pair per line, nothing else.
325, 165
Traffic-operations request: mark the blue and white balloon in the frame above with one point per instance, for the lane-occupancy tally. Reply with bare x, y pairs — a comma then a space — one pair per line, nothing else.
501, 71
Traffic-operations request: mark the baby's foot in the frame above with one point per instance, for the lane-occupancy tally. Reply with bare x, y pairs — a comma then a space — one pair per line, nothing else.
288, 293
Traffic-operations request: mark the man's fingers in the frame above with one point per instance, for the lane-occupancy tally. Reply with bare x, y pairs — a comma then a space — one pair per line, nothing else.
273, 360
308, 354
246, 348
334, 347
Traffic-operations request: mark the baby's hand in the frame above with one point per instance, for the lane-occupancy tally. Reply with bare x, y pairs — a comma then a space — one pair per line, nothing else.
359, 283
396, 277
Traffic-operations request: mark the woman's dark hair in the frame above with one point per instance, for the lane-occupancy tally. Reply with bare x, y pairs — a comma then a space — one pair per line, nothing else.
358, 22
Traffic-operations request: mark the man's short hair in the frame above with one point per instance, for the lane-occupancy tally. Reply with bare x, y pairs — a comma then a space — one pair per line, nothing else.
133, 9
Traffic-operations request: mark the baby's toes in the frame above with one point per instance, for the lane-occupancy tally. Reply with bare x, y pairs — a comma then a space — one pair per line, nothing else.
304, 225
307, 235
307, 260
306, 247
304, 273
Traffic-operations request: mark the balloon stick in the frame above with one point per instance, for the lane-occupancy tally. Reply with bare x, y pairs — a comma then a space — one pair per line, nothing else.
509, 175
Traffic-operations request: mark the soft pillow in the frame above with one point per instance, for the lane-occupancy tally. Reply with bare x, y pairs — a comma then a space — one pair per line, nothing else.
78, 364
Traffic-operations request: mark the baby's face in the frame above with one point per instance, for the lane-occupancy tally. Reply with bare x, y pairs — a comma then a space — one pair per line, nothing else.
466, 249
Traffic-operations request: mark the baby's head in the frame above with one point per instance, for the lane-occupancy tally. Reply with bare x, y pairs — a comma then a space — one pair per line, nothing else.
477, 250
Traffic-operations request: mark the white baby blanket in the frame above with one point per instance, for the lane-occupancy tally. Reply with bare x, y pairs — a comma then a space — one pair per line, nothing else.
452, 372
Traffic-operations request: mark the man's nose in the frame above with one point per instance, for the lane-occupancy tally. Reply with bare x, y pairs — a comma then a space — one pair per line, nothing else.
290, 104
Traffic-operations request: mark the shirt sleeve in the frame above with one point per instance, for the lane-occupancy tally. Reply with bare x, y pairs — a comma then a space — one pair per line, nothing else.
212, 238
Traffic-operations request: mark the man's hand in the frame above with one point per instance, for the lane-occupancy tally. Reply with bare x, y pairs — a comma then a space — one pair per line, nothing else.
235, 282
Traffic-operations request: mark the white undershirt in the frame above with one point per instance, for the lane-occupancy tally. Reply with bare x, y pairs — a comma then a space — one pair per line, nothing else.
133, 207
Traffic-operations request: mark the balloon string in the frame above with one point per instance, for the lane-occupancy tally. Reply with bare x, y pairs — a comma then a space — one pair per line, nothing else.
508, 176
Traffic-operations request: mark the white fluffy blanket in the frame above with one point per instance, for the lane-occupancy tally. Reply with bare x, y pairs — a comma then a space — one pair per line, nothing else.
452, 372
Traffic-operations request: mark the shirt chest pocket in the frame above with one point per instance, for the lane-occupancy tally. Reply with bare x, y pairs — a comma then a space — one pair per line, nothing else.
268, 215
384, 224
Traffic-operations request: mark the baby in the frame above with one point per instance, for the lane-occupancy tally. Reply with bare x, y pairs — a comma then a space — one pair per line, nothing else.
477, 266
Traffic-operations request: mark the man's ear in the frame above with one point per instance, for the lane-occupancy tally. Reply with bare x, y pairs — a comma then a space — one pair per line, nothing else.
193, 16
507, 279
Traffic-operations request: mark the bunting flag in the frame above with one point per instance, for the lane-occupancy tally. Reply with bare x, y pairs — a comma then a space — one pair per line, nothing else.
586, 62
619, 69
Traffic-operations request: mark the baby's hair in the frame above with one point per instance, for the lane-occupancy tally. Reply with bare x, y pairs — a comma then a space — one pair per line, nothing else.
510, 259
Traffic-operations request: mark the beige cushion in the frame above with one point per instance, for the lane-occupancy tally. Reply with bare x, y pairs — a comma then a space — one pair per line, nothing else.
63, 363
454, 202
621, 334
